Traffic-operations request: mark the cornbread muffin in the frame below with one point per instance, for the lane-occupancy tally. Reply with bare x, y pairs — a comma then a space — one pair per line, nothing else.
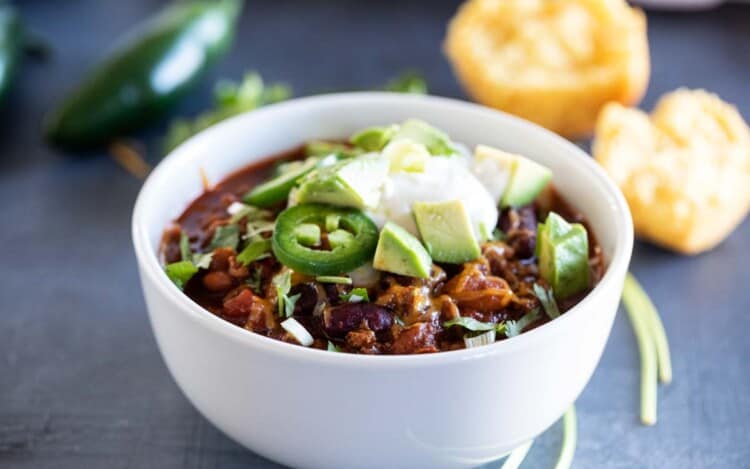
555, 63
684, 170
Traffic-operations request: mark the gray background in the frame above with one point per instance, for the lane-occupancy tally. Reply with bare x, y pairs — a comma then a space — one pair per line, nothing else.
81, 381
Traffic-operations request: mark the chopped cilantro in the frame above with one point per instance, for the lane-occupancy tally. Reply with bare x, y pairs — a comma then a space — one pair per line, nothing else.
474, 325
249, 212
253, 251
255, 281
256, 227
202, 261
226, 236
230, 99
185, 251
357, 295
498, 235
333, 347
547, 299
409, 81
514, 328
180, 272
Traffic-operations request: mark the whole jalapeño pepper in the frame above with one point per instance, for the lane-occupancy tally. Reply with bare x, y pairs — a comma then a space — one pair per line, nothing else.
11, 46
153, 66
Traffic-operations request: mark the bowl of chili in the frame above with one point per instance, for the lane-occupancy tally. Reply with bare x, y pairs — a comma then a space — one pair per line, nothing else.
317, 407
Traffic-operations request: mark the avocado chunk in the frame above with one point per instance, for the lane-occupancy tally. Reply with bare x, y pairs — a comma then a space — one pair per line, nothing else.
527, 180
355, 182
436, 141
399, 252
563, 252
446, 231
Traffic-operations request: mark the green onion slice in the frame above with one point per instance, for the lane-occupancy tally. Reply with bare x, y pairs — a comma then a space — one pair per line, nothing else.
516, 457
334, 279
634, 294
647, 350
570, 435
298, 331
484, 338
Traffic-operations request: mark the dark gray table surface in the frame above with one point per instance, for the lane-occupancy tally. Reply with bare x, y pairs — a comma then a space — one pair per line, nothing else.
81, 381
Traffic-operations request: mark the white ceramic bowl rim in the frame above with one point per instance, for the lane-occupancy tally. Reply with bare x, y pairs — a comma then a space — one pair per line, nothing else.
152, 268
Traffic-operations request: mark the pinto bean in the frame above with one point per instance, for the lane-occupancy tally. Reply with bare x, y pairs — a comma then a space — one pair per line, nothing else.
217, 281
339, 320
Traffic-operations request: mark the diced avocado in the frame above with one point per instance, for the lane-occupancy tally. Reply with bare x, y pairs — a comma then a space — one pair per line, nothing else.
446, 231
308, 234
277, 189
527, 180
373, 138
399, 252
406, 155
355, 182
563, 252
338, 238
436, 141
493, 168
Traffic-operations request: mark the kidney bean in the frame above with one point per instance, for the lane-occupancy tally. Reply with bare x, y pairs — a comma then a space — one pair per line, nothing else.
339, 320
309, 297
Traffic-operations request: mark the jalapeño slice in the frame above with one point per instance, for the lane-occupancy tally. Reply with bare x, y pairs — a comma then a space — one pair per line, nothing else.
345, 255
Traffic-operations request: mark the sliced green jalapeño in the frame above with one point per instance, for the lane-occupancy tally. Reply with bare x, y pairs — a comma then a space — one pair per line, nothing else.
332, 258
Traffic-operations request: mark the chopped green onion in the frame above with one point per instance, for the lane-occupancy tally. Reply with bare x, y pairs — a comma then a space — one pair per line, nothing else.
254, 251
238, 211
202, 261
357, 295
409, 81
225, 236
333, 347
570, 435
256, 227
180, 272
634, 294
283, 283
514, 328
516, 457
484, 338
332, 222
298, 331
308, 234
334, 279
185, 252
647, 349
547, 299
474, 325
289, 304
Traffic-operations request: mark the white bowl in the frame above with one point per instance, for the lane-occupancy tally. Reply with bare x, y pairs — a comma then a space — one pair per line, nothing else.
318, 409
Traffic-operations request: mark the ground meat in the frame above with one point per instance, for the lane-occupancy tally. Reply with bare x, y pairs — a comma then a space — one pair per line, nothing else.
417, 338
362, 341
259, 312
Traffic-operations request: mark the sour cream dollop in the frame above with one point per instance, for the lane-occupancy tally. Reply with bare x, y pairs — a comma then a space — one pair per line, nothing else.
442, 179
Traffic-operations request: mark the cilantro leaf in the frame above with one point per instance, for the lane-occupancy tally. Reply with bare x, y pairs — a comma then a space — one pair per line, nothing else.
202, 261
289, 303
547, 299
514, 328
254, 251
357, 295
474, 325
230, 99
333, 347
180, 272
225, 236
409, 81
